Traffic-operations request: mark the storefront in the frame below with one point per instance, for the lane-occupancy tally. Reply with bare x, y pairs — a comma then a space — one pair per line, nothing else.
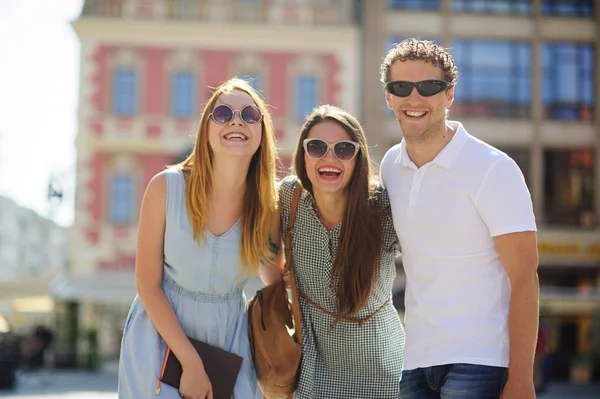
90, 314
570, 304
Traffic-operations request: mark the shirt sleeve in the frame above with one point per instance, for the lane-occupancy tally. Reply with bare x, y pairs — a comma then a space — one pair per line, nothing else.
286, 192
383, 168
503, 200
390, 238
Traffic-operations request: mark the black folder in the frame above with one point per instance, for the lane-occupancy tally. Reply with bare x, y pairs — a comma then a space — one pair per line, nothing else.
221, 366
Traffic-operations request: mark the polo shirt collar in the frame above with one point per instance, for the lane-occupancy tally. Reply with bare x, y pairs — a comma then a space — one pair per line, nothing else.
449, 153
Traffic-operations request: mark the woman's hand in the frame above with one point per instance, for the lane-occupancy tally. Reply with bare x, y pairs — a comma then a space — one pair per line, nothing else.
194, 383
286, 280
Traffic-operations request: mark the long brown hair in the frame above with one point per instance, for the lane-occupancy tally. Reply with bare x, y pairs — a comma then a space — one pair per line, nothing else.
261, 199
356, 265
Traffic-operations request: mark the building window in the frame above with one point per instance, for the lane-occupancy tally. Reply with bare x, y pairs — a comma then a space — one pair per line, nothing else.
414, 4
568, 8
494, 78
121, 199
182, 9
253, 79
493, 7
124, 92
183, 95
307, 96
568, 88
569, 187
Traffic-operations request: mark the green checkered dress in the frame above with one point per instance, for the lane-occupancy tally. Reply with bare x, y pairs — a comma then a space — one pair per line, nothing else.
348, 360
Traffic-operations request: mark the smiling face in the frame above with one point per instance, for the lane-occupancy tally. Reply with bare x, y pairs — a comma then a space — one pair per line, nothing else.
235, 137
419, 116
329, 174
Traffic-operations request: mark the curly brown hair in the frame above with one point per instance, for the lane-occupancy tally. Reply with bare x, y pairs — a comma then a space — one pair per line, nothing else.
425, 50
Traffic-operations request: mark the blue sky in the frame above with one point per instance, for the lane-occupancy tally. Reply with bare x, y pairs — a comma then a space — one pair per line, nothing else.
39, 77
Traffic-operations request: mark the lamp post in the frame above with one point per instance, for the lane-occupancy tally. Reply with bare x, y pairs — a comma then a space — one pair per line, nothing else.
66, 312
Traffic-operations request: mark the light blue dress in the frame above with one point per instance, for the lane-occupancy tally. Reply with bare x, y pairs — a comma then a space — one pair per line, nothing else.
203, 286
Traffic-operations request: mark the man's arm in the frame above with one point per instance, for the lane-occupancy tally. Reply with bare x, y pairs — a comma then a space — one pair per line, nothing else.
518, 253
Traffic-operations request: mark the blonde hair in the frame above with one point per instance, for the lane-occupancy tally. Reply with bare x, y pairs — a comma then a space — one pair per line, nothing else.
261, 198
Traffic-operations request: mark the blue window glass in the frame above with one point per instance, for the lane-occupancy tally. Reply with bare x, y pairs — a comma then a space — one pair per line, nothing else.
121, 199
183, 95
124, 92
307, 96
494, 78
414, 4
568, 8
493, 7
182, 9
568, 85
253, 79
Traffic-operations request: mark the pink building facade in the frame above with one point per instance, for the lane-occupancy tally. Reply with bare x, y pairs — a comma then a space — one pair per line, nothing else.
146, 70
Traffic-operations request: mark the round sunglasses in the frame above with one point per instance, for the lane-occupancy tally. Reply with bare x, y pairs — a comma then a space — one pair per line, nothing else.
426, 88
223, 114
343, 150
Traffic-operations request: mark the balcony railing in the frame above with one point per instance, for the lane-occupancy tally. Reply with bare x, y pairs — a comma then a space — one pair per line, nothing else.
569, 112
490, 109
273, 12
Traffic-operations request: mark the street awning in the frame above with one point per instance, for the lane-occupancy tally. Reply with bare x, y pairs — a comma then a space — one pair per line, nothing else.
25, 287
97, 288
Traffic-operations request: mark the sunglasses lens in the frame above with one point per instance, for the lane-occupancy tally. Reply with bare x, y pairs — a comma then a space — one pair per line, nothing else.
251, 115
400, 89
344, 151
429, 88
222, 114
316, 148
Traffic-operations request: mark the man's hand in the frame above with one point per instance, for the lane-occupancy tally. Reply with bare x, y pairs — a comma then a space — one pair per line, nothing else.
518, 388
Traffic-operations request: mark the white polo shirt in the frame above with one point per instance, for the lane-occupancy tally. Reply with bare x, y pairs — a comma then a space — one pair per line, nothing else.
446, 214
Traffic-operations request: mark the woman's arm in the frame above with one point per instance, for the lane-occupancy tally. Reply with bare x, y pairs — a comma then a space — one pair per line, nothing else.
149, 273
272, 272
389, 234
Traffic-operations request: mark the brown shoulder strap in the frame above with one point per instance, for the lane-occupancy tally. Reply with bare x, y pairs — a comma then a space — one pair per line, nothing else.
290, 263
295, 200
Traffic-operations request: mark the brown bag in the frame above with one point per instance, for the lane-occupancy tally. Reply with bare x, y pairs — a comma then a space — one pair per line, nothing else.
275, 330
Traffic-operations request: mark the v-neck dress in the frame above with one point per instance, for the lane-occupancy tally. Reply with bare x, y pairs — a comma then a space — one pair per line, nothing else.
346, 361
203, 286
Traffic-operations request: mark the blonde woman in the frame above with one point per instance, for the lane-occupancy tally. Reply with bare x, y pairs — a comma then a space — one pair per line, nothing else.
203, 230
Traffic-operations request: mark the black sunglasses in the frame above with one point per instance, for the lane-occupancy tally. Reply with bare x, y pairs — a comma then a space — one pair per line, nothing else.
426, 88
223, 114
343, 150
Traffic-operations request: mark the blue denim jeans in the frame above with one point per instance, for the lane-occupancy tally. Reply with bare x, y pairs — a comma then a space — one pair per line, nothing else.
453, 381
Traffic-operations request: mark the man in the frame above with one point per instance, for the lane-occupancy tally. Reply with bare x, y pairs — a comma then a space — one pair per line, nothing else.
465, 221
